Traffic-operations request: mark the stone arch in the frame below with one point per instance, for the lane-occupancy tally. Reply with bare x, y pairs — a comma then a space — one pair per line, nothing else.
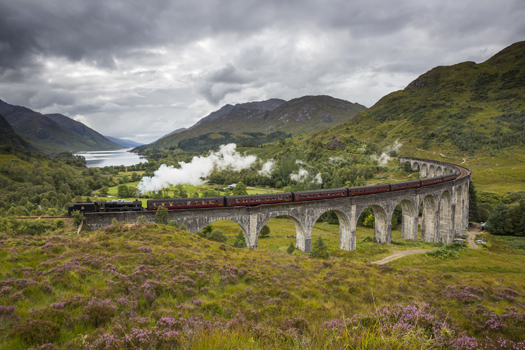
347, 236
415, 166
303, 237
439, 171
445, 218
428, 226
458, 215
382, 226
409, 224
424, 170
432, 171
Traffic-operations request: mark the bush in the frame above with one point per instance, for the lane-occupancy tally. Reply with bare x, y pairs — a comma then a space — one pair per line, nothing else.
161, 216
99, 312
291, 248
114, 221
240, 240
36, 332
173, 223
320, 249
59, 223
370, 221
183, 227
447, 251
265, 231
217, 236
78, 217
142, 220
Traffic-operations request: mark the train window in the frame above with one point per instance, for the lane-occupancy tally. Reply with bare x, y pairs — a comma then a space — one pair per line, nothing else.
258, 199
273, 198
251, 199
197, 202
244, 200
267, 198
204, 202
237, 200
280, 197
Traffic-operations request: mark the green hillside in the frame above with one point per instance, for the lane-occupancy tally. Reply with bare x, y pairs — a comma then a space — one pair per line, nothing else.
49, 136
467, 113
305, 114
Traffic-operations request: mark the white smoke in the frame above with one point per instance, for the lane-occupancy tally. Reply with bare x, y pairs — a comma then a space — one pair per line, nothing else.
304, 175
200, 167
384, 158
267, 168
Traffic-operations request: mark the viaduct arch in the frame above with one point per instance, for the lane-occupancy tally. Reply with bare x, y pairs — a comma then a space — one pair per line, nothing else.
445, 211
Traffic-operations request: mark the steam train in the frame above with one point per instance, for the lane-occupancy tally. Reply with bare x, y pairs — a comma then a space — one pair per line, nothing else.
255, 199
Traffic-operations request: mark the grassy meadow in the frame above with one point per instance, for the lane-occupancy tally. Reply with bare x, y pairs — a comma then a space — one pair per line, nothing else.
150, 286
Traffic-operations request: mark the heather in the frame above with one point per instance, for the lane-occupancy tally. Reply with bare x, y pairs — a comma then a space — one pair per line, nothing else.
152, 286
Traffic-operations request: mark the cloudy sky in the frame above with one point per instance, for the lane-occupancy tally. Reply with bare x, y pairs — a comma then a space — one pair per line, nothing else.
140, 69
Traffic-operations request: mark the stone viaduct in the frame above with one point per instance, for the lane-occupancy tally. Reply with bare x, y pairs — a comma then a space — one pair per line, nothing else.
445, 211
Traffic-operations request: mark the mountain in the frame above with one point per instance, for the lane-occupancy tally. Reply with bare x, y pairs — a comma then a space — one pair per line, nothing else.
50, 136
8, 137
123, 142
304, 114
176, 131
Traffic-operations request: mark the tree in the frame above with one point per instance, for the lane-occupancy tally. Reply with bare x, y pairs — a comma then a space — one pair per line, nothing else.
291, 248
209, 193
473, 210
217, 236
240, 240
161, 216
320, 250
135, 177
499, 222
370, 221
240, 189
182, 191
103, 191
265, 231
123, 191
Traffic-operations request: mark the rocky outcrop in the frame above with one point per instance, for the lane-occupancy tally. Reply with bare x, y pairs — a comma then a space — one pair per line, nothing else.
335, 144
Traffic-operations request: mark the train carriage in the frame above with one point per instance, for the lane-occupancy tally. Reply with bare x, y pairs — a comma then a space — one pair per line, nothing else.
258, 199
405, 185
431, 181
186, 203
319, 194
119, 206
362, 190
449, 177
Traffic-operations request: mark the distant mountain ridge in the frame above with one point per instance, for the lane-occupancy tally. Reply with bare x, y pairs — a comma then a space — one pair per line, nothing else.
54, 133
308, 113
123, 142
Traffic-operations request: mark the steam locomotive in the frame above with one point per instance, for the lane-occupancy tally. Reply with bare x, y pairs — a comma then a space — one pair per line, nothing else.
255, 199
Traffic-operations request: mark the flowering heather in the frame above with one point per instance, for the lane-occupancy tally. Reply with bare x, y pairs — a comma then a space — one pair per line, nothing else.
145, 249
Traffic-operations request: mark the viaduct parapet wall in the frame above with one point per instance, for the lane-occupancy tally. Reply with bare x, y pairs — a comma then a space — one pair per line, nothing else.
445, 212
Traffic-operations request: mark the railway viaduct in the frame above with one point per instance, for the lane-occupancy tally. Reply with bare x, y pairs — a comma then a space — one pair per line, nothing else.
445, 211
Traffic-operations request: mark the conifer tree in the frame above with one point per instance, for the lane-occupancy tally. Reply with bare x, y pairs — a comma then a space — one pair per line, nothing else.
320, 249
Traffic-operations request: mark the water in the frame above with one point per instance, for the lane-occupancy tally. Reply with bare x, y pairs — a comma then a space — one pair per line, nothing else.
100, 159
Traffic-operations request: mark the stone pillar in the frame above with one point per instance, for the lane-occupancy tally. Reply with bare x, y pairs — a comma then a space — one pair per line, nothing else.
347, 230
251, 240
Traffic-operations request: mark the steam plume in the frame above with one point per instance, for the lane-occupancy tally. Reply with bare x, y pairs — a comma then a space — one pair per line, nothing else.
199, 168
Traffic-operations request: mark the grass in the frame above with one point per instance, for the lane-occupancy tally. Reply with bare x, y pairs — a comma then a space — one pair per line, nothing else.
182, 291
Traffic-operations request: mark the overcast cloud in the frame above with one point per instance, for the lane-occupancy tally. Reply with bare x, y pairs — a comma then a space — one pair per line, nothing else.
138, 70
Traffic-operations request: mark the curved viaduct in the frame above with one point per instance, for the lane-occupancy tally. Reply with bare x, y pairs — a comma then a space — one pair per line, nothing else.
445, 211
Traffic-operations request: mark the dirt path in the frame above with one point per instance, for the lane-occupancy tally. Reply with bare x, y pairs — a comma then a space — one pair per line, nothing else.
400, 255
472, 232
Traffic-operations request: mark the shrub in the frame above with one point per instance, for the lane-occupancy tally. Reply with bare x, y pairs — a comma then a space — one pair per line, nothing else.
240, 240
78, 217
36, 332
291, 248
173, 223
59, 223
114, 221
183, 227
447, 251
320, 249
142, 220
265, 231
370, 221
217, 236
161, 216
98, 311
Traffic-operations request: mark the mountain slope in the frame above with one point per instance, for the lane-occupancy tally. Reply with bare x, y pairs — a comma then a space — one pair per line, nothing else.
8, 137
47, 135
299, 115
124, 143
83, 130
